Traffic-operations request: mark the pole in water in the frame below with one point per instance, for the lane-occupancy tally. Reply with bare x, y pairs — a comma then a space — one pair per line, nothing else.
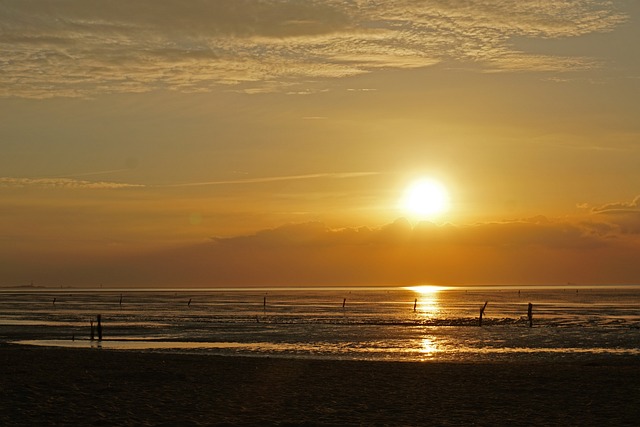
99, 327
530, 314
415, 304
189, 303
120, 300
344, 302
482, 312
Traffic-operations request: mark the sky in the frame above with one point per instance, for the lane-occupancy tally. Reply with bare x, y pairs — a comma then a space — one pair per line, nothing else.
215, 143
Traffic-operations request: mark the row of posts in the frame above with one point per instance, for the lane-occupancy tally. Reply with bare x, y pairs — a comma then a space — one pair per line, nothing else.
529, 313
98, 327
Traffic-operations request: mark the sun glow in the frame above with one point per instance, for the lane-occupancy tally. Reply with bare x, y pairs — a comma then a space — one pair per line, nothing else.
426, 198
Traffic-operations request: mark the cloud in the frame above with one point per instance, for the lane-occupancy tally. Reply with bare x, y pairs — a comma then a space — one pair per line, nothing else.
62, 183
619, 207
537, 231
624, 217
71, 183
535, 250
335, 175
87, 47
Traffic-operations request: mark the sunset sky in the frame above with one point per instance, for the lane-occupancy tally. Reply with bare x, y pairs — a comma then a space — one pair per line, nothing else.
261, 143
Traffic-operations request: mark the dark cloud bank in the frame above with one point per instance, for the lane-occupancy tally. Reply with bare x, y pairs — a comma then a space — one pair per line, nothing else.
530, 251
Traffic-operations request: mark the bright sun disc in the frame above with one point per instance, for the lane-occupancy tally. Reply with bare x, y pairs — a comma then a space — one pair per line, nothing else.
426, 198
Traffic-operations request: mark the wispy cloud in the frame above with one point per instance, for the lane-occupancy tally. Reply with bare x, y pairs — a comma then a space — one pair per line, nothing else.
619, 207
337, 175
62, 183
621, 218
71, 183
87, 47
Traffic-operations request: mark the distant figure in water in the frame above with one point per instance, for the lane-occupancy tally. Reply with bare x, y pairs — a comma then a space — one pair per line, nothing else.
530, 315
189, 303
54, 301
415, 304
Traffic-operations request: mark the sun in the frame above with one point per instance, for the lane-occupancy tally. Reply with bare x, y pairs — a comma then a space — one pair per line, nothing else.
426, 198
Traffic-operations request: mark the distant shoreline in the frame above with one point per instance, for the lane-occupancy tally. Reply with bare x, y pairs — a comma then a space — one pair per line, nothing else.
571, 286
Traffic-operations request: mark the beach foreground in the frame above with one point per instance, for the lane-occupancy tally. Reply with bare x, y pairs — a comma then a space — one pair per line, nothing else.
47, 386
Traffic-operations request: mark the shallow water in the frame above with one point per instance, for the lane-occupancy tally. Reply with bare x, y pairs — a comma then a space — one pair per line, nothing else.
338, 323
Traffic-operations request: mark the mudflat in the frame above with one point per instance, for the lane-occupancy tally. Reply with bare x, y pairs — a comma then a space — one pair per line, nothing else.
58, 386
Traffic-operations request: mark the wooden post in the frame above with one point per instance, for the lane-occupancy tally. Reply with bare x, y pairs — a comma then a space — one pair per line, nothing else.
344, 302
482, 312
530, 314
99, 327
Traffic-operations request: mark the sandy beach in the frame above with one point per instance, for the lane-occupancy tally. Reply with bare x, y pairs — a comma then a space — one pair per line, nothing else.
47, 386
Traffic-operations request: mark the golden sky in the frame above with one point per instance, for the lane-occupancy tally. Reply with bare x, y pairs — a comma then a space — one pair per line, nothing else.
245, 143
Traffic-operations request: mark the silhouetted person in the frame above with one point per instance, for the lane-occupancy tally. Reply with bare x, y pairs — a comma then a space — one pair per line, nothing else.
530, 315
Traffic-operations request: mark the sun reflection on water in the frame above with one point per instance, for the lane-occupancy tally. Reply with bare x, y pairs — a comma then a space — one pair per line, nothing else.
426, 303
428, 346
426, 289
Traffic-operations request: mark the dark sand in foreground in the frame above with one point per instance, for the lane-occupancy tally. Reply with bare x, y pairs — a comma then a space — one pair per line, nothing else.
47, 386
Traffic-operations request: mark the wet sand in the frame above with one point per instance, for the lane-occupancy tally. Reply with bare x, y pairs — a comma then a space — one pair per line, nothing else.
57, 386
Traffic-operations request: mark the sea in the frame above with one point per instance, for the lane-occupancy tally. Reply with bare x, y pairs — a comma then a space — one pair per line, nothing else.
421, 323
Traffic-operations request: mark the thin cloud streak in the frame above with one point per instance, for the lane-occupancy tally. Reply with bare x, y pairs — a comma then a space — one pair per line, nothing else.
69, 183
618, 207
338, 175
63, 183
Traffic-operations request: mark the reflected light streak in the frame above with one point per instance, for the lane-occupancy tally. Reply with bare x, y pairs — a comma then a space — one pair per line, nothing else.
426, 303
428, 346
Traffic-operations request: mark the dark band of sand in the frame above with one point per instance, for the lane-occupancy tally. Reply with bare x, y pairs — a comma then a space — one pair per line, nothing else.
46, 386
